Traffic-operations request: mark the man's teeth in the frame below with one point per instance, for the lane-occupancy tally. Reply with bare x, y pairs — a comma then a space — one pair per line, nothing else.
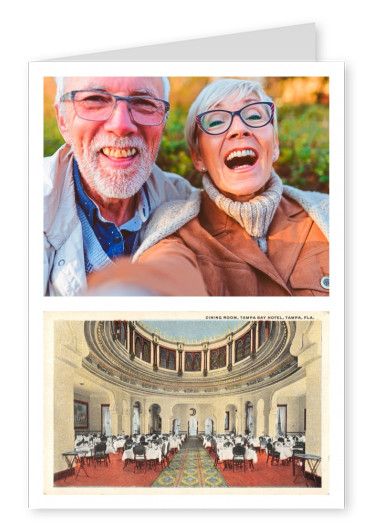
119, 153
241, 153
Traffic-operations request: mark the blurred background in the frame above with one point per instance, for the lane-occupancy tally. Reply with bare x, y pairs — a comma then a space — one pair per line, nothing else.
303, 127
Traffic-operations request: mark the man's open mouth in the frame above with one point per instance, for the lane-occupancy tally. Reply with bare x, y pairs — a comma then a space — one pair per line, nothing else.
116, 153
241, 158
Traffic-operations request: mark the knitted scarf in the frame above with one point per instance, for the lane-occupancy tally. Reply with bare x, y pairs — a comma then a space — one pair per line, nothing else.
255, 215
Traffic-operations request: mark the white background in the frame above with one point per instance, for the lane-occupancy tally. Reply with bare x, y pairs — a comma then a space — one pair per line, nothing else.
41, 30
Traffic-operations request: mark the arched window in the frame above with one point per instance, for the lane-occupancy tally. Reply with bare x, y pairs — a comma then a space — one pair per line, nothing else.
247, 345
213, 360
146, 352
171, 360
136, 418
188, 362
197, 363
222, 357
249, 419
239, 353
163, 358
138, 347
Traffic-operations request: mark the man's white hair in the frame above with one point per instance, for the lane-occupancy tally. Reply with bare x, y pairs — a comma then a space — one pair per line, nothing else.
60, 85
213, 94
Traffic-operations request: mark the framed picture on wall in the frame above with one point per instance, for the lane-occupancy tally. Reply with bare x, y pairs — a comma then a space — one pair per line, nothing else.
81, 414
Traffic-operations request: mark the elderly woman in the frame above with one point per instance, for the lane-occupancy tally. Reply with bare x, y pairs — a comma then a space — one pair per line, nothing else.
247, 234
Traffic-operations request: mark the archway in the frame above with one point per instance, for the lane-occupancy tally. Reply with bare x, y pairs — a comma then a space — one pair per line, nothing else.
105, 419
230, 421
209, 426
249, 419
136, 419
192, 426
155, 422
176, 426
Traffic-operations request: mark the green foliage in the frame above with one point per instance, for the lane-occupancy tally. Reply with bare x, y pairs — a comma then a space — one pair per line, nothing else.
174, 155
304, 146
303, 142
52, 137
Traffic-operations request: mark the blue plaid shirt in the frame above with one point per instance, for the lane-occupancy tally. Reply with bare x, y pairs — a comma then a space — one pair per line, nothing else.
115, 241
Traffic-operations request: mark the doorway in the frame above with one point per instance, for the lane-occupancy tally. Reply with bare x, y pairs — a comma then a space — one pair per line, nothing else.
192, 427
106, 419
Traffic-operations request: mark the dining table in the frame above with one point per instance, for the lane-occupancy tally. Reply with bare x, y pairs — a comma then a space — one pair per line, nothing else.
76, 459
299, 462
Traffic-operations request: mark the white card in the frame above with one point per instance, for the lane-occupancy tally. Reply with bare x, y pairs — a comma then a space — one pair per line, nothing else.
215, 57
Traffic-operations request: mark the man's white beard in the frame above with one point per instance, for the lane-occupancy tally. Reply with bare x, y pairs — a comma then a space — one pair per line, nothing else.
115, 183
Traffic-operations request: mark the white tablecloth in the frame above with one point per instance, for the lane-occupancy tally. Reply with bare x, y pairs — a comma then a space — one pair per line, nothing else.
151, 453
285, 451
226, 454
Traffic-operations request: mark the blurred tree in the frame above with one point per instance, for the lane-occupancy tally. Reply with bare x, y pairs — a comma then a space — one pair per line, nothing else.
303, 126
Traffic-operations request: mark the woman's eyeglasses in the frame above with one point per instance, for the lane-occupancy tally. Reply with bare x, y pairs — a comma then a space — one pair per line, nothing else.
98, 106
254, 115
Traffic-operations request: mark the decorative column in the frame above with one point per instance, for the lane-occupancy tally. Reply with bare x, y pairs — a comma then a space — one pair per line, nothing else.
230, 349
155, 352
126, 331
257, 335
263, 414
62, 417
131, 340
205, 353
180, 355
126, 425
116, 410
253, 340
307, 348
242, 416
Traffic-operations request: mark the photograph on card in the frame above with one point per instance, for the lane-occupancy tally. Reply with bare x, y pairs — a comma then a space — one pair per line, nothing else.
186, 186
212, 402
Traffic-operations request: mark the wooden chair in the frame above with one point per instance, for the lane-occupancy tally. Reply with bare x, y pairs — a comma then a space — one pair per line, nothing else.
238, 456
127, 447
165, 461
139, 457
272, 453
100, 454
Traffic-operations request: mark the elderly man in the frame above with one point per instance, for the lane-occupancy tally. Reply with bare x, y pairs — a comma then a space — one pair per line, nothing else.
102, 186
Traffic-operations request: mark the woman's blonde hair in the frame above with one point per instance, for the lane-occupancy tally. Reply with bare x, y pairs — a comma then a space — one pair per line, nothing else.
216, 92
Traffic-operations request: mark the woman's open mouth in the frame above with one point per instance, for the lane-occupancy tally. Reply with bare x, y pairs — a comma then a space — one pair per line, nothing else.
241, 158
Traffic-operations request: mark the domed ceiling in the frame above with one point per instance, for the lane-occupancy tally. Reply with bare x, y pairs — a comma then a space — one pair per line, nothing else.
193, 331
113, 358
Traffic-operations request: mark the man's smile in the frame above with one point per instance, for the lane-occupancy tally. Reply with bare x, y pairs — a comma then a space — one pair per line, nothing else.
117, 153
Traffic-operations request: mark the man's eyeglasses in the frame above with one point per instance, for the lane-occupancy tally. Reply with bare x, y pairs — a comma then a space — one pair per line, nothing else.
98, 106
253, 115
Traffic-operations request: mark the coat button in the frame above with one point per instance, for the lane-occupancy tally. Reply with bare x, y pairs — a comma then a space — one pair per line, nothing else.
117, 240
325, 282
61, 262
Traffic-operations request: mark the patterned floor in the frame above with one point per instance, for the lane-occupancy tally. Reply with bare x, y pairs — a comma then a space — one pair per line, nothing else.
190, 467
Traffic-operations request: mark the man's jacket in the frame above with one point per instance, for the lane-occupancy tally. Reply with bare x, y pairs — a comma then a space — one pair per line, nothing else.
64, 263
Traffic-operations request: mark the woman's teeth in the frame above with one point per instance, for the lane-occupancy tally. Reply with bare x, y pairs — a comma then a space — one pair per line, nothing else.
241, 158
119, 153
241, 153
